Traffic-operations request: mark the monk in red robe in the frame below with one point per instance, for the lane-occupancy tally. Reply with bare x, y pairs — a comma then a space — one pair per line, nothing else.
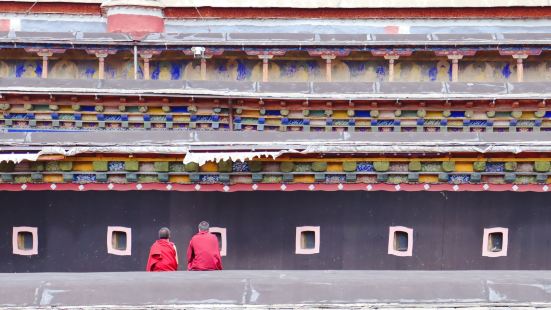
163, 255
203, 252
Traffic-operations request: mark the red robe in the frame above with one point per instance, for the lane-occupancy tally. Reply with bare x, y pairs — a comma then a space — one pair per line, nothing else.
203, 252
162, 256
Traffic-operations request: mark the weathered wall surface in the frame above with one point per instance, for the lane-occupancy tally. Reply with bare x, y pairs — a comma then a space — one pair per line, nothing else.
299, 70
448, 228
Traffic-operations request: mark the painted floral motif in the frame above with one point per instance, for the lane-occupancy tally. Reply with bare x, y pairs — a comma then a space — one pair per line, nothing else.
431, 167
335, 178
525, 167
399, 167
204, 118
270, 167
176, 167
66, 117
525, 179
147, 178
22, 179
115, 166
295, 122
365, 167
459, 178
432, 122
340, 122
210, 179
396, 179
369, 179
239, 166
302, 167
387, 122
493, 179
241, 179
84, 178
495, 167
158, 118
248, 120
478, 123
113, 118
117, 179
272, 179
528, 123
147, 167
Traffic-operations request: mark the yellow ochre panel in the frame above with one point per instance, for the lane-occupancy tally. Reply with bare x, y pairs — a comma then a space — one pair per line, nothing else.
428, 179
209, 167
463, 167
334, 167
82, 166
53, 178
304, 179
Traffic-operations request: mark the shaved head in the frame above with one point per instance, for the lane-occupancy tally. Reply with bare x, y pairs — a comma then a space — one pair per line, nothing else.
203, 226
164, 233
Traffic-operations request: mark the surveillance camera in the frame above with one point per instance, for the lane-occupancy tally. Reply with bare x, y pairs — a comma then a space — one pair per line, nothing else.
198, 51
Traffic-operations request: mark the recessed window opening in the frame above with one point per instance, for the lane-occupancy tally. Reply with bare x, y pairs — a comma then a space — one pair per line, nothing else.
401, 241
25, 240
119, 240
219, 237
220, 234
495, 242
307, 240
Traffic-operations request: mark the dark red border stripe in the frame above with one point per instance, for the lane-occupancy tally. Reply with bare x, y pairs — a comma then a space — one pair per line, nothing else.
321, 13
367, 13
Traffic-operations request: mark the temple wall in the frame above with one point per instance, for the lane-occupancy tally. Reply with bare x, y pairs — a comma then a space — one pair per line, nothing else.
285, 70
354, 228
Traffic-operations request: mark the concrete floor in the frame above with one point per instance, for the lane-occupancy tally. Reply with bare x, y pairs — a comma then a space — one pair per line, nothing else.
278, 290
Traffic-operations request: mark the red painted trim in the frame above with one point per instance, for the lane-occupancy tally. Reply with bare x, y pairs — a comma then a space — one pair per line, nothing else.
4, 25
255, 13
369, 13
137, 25
50, 7
276, 187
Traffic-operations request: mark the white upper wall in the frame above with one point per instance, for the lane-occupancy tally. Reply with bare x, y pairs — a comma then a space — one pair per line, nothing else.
327, 3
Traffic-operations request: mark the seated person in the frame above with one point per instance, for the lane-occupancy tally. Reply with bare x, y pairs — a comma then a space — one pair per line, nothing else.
163, 255
203, 252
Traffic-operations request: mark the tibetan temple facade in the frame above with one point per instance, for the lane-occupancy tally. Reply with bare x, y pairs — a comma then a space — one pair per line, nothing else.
310, 138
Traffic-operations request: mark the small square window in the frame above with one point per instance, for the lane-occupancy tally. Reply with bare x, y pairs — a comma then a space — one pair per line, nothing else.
119, 240
25, 240
307, 240
495, 242
220, 234
400, 241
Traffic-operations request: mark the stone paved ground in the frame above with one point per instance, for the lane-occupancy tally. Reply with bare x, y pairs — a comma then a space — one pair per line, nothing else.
279, 289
